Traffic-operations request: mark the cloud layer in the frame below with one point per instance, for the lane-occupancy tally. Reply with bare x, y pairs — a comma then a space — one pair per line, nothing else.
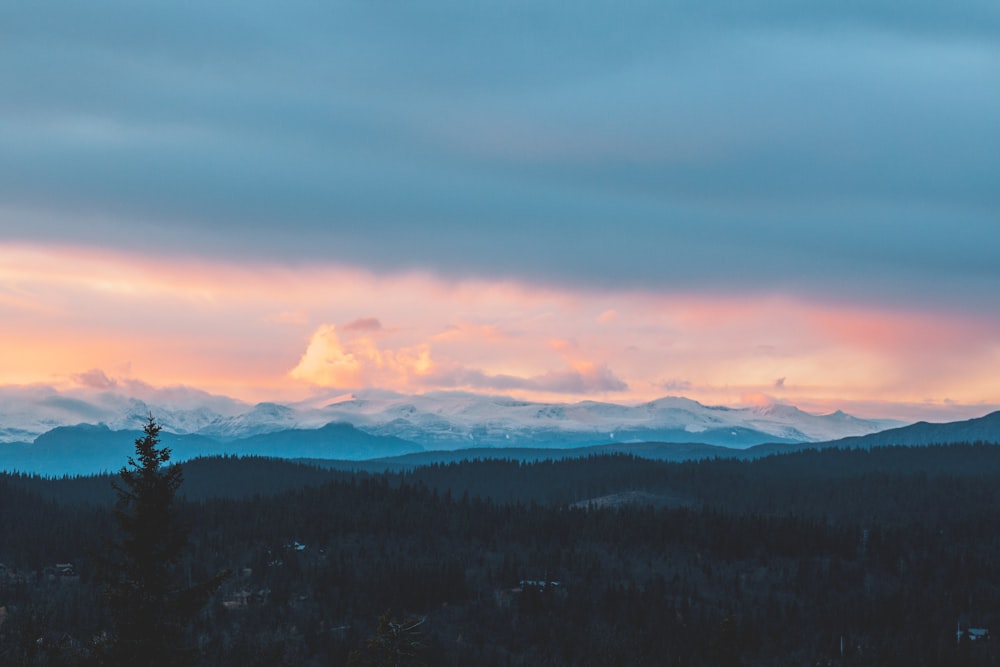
72, 320
360, 362
605, 200
846, 151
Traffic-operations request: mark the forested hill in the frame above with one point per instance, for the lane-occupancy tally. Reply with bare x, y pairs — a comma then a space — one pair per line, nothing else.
984, 429
839, 557
795, 481
204, 478
981, 429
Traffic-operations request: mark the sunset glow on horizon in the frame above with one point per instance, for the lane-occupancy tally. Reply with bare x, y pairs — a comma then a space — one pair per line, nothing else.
79, 318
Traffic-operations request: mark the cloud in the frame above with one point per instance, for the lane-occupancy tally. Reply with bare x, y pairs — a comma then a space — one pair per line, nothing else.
95, 379
359, 362
587, 379
676, 385
779, 383
363, 324
758, 400
327, 363
205, 324
473, 331
288, 317
661, 142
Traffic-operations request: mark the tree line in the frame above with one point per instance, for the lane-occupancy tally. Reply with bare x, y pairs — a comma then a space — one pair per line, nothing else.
829, 557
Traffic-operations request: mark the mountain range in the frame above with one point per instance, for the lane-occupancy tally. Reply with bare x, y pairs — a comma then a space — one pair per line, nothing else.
984, 430
438, 420
57, 434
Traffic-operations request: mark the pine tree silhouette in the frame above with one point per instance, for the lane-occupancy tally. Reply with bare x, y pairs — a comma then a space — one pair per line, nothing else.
149, 610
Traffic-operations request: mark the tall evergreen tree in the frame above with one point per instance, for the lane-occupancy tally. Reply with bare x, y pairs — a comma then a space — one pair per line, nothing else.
149, 609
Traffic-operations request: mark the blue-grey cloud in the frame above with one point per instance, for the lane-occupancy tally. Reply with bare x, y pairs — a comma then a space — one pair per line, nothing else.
847, 150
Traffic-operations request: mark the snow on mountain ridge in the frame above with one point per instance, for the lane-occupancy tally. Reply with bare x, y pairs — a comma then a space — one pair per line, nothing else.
498, 419
443, 419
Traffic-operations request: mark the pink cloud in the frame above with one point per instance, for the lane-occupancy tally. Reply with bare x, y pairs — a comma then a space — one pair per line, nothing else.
595, 380
471, 331
240, 327
363, 324
95, 379
288, 317
584, 379
676, 385
758, 400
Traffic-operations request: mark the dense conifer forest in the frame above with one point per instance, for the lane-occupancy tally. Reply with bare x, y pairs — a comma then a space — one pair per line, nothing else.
832, 557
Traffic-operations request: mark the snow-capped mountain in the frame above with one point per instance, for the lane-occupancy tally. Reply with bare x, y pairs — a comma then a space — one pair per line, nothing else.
448, 420
27, 412
439, 420
258, 420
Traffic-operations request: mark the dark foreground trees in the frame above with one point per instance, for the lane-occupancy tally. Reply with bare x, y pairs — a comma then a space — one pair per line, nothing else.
834, 557
150, 604
396, 643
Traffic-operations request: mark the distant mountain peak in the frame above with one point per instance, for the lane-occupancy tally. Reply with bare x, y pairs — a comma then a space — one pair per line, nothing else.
442, 419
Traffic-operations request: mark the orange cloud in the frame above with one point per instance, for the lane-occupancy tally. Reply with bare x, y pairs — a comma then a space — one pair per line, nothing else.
358, 361
329, 362
326, 363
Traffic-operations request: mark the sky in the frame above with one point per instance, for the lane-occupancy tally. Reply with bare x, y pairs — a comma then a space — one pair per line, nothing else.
740, 203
